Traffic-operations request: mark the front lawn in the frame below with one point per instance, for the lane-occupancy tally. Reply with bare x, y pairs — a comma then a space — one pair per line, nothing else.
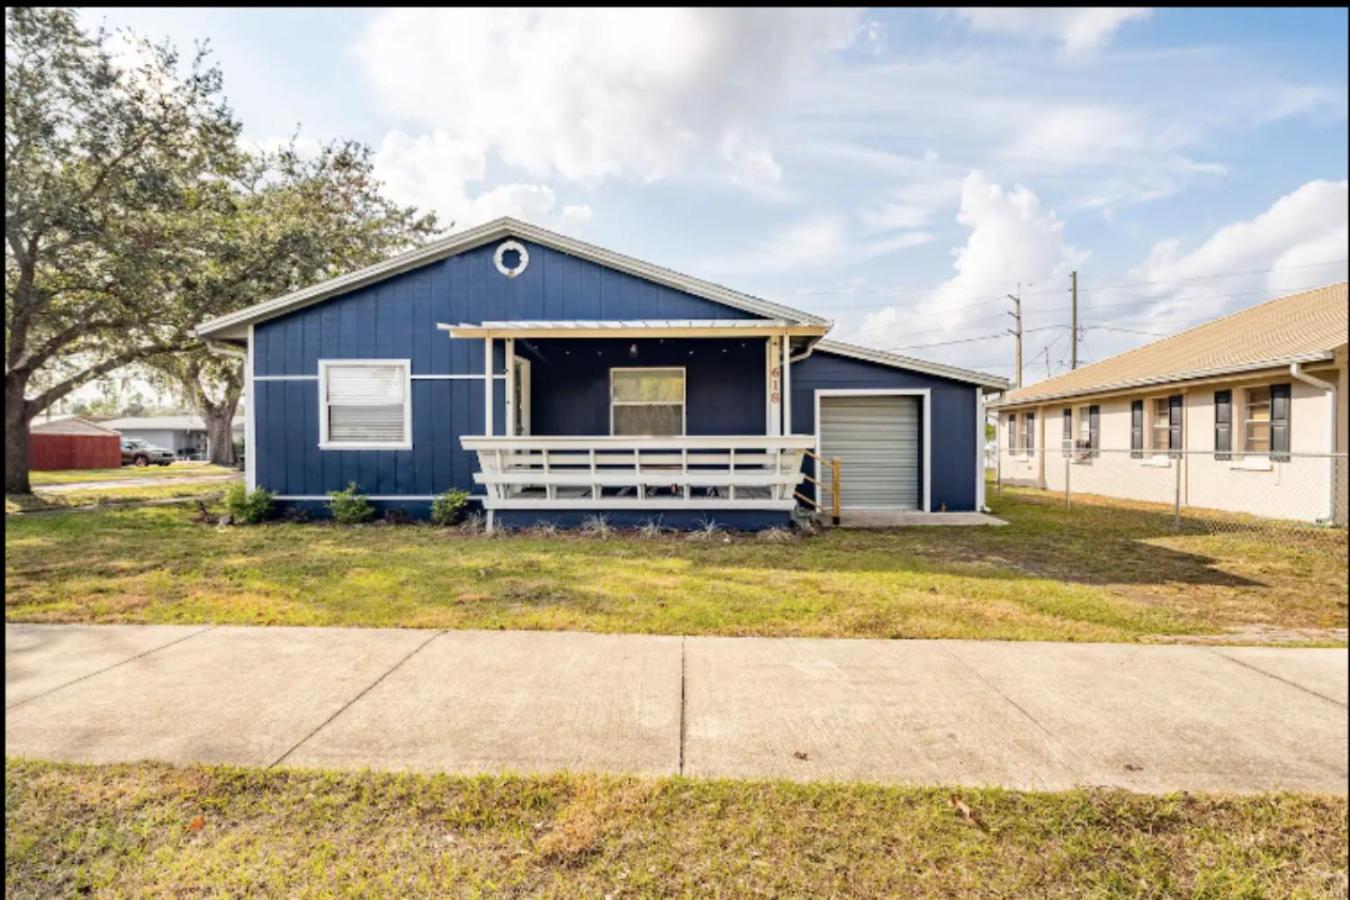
175, 470
156, 830
1095, 573
42, 501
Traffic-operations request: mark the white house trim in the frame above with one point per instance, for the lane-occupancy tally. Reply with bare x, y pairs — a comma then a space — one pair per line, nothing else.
251, 420
896, 361
284, 377
325, 444
926, 403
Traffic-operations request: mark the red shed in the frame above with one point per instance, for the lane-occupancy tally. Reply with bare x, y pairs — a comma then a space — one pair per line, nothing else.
73, 444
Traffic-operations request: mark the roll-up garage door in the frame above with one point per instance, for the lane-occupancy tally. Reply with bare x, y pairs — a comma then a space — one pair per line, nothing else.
877, 441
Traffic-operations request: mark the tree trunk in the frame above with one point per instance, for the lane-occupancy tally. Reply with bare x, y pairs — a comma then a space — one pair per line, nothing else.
16, 435
220, 433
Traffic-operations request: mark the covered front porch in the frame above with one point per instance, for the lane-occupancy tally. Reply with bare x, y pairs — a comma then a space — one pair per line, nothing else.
639, 418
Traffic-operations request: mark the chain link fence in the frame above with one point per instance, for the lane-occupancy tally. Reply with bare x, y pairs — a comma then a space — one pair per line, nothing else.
1286, 496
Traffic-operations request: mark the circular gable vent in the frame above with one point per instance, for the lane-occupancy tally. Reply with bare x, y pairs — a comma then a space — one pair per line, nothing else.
511, 258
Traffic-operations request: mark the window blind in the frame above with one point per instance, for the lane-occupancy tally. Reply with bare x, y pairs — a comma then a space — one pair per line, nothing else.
366, 403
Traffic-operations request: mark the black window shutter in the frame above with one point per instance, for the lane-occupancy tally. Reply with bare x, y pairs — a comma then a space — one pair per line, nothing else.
1012, 431
1279, 421
1174, 422
1068, 430
1223, 424
1094, 427
1136, 429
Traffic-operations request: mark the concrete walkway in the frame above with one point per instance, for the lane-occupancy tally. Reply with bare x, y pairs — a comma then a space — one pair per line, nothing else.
1023, 715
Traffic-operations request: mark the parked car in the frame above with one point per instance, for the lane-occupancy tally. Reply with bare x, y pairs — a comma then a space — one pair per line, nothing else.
136, 452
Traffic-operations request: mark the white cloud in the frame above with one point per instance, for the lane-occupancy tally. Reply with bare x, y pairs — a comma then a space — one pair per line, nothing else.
813, 243
435, 171
1077, 30
1011, 236
587, 94
576, 214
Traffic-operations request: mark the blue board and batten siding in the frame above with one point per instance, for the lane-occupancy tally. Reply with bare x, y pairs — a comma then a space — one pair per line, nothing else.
397, 318
952, 407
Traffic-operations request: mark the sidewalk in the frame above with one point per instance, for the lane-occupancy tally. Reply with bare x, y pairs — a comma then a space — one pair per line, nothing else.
1022, 715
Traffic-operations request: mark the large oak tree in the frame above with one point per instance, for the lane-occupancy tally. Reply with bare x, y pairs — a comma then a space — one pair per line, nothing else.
110, 166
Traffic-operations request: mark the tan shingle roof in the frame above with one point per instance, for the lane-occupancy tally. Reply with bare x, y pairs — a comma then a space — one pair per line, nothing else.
1298, 328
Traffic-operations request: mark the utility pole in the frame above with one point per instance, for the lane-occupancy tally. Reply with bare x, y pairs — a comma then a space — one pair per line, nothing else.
1073, 289
1017, 331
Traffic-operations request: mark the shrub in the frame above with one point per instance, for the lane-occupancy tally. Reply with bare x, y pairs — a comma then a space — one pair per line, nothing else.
447, 508
707, 530
596, 526
248, 507
350, 507
651, 528
775, 535
545, 529
474, 523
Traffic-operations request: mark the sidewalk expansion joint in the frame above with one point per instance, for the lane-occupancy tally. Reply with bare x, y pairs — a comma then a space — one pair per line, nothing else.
1275, 677
683, 640
346, 706
115, 665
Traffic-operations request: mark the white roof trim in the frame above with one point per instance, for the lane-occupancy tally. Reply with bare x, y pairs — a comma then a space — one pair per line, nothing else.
233, 324
896, 361
619, 327
1127, 384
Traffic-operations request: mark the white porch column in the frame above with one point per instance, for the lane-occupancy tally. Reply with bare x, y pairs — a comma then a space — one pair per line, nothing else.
787, 384
510, 387
487, 386
772, 389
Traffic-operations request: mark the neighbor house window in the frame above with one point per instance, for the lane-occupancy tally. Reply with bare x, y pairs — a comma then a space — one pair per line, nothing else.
1029, 432
1257, 422
1159, 428
365, 404
646, 401
1223, 424
1265, 423
1012, 432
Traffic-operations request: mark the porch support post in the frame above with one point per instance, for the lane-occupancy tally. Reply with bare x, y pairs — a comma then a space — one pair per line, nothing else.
510, 387
487, 387
772, 388
787, 384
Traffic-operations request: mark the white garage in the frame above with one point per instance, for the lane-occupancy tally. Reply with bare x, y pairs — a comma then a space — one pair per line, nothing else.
878, 440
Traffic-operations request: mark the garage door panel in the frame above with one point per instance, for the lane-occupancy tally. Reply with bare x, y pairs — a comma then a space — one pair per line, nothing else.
876, 439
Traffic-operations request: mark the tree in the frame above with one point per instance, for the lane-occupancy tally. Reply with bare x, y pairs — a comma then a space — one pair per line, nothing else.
291, 220
109, 169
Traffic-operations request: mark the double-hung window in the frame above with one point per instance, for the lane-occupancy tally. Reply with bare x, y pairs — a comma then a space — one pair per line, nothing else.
1160, 425
365, 404
1265, 421
646, 401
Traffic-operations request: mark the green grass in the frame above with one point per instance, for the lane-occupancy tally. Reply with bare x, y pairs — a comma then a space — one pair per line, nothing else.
156, 830
176, 470
43, 501
1096, 573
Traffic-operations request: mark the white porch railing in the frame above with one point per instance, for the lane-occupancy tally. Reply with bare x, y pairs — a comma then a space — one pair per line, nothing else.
740, 472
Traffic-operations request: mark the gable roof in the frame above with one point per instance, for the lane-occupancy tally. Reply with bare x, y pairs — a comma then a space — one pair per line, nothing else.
235, 324
1304, 327
896, 361
71, 425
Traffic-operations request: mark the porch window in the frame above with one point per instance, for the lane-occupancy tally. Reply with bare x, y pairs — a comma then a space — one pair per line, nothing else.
646, 401
364, 405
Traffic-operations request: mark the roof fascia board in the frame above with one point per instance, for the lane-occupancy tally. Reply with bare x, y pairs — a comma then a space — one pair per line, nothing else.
482, 234
1195, 376
896, 361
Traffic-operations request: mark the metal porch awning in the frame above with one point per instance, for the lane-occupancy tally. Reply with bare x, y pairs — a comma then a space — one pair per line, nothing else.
619, 328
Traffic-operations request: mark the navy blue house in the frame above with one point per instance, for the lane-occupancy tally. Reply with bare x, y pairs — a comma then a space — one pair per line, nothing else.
556, 380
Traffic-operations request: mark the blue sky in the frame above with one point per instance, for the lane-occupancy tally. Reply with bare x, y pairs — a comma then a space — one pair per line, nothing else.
898, 171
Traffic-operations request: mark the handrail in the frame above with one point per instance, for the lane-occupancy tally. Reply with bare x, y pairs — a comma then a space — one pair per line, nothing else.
834, 465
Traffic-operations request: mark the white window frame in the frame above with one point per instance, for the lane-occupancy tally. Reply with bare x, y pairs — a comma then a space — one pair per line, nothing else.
1247, 420
325, 444
684, 394
1151, 410
925, 396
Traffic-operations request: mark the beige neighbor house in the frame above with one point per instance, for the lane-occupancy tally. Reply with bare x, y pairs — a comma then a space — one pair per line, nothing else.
1245, 414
